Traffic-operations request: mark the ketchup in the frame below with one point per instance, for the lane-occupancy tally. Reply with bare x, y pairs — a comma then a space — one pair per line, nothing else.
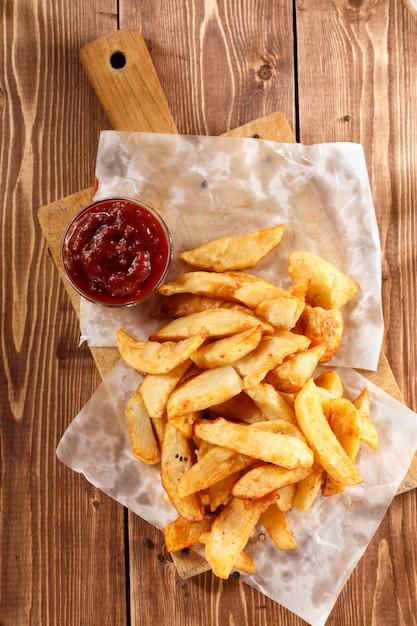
116, 252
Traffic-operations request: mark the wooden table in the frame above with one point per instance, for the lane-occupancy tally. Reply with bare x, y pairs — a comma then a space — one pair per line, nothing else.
340, 71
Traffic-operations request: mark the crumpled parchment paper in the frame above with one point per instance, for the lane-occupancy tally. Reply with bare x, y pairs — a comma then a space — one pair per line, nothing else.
209, 187
331, 536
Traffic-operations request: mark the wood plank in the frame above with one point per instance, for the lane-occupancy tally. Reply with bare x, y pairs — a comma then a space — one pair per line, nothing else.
58, 534
357, 87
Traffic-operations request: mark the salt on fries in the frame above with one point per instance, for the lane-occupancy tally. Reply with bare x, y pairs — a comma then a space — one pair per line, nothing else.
230, 405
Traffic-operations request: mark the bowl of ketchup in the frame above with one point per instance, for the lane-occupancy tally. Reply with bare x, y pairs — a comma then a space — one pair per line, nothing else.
117, 252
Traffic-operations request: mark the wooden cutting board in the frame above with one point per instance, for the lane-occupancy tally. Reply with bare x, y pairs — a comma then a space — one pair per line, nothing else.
122, 74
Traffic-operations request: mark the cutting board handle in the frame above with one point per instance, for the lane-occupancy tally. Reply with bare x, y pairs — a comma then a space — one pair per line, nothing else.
120, 70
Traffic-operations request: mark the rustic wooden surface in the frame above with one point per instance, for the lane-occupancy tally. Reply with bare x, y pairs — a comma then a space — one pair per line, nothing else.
69, 554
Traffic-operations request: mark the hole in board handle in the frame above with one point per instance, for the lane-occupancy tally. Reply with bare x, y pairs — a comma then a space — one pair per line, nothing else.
117, 60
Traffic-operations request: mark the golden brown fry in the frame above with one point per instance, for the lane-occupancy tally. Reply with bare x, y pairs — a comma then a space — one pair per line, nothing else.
201, 284
156, 388
181, 534
262, 479
321, 438
329, 287
215, 322
270, 352
331, 381
175, 462
367, 430
215, 465
270, 402
227, 350
181, 304
277, 448
142, 437
309, 488
240, 408
231, 530
286, 498
252, 291
201, 392
152, 357
220, 492
324, 327
233, 253
291, 375
276, 524
281, 312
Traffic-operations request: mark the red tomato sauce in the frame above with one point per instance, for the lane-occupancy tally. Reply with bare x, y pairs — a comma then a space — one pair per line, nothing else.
116, 252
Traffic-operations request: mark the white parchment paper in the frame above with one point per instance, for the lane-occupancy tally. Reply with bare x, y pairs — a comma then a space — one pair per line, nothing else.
208, 187
331, 536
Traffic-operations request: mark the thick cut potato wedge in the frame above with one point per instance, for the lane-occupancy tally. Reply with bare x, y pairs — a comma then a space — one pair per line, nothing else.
153, 357
263, 479
181, 304
367, 429
231, 530
328, 451
220, 492
142, 438
309, 488
202, 283
270, 402
291, 375
234, 253
181, 534
240, 408
277, 525
227, 350
176, 460
253, 292
201, 392
215, 322
324, 327
277, 448
281, 312
331, 381
156, 388
343, 420
270, 352
329, 287
217, 464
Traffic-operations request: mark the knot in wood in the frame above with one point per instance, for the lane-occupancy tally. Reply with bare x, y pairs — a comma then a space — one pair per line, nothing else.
265, 72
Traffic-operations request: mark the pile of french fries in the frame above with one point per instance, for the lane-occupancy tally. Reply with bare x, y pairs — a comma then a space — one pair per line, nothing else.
229, 404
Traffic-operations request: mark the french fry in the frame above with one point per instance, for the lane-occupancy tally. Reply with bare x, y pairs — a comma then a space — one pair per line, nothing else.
329, 287
291, 375
182, 304
226, 351
200, 392
203, 283
286, 497
215, 322
231, 530
156, 388
277, 448
240, 408
309, 488
270, 402
142, 438
220, 492
176, 460
153, 357
232, 253
331, 381
281, 312
367, 430
270, 352
321, 438
185, 423
217, 464
324, 327
181, 534
343, 420
244, 562
276, 524
256, 290
263, 479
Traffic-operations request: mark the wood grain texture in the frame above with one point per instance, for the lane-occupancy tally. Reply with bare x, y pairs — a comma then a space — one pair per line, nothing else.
61, 541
